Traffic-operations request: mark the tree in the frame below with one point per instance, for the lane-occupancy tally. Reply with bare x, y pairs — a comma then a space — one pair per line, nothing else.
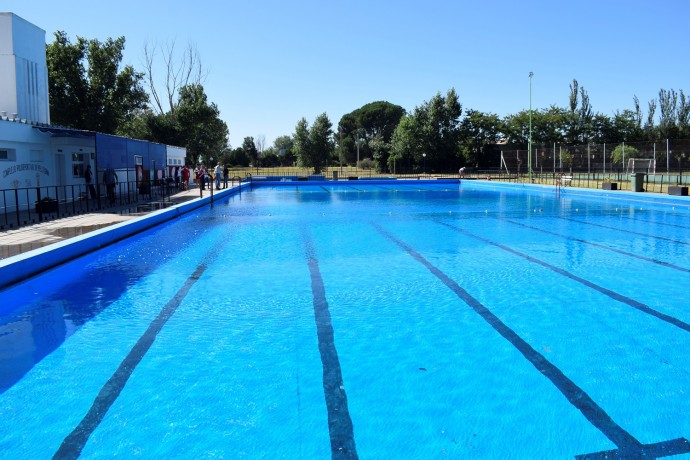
478, 131
285, 148
202, 131
373, 122
574, 94
87, 89
238, 157
195, 124
668, 102
626, 127
548, 126
649, 127
314, 146
260, 143
249, 147
432, 129
579, 122
584, 117
179, 72
380, 152
602, 129
623, 152
683, 116
403, 144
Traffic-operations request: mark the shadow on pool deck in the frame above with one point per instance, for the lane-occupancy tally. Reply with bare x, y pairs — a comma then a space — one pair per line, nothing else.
24, 239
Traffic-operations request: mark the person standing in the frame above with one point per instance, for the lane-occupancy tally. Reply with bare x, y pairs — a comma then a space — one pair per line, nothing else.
202, 177
226, 173
218, 172
88, 177
111, 180
185, 178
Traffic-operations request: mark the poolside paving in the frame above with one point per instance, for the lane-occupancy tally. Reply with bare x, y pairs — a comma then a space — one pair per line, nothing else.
24, 239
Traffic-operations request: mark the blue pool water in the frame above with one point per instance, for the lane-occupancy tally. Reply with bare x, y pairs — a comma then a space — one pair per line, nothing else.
402, 320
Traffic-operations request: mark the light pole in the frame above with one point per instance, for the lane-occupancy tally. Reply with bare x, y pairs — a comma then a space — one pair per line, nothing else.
424, 155
340, 149
359, 141
529, 153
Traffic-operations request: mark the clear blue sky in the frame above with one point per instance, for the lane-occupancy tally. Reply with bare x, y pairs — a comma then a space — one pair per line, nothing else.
271, 63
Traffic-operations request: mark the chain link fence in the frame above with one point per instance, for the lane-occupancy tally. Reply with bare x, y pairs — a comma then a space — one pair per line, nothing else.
660, 157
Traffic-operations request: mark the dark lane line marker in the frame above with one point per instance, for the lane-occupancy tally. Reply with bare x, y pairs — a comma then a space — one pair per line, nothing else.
584, 222
74, 443
628, 446
607, 292
608, 248
655, 222
340, 427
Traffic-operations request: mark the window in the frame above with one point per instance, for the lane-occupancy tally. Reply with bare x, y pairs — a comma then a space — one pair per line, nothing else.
78, 165
8, 155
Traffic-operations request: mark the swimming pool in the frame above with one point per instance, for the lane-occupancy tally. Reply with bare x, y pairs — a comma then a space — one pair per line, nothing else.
401, 320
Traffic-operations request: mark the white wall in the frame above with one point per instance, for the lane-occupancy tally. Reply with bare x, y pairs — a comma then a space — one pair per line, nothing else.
175, 155
35, 157
23, 70
28, 167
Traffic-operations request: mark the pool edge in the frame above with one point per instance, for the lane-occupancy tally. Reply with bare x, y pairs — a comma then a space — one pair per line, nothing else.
20, 267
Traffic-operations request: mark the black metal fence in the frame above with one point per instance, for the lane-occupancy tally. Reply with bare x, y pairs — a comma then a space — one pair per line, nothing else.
618, 179
26, 206
660, 157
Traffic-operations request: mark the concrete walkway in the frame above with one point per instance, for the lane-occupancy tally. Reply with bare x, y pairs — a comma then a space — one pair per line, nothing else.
24, 239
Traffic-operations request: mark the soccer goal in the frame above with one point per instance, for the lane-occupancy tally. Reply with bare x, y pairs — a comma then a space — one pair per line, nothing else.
641, 165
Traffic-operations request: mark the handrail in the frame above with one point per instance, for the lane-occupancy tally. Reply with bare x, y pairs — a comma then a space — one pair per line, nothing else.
239, 181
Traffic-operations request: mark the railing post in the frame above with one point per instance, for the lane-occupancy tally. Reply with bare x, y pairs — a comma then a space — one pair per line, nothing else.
16, 204
39, 208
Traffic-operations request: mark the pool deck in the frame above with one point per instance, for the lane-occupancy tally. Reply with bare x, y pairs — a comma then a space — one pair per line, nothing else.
24, 239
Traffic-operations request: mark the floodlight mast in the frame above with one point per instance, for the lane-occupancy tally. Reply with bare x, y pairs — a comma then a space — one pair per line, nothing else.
529, 153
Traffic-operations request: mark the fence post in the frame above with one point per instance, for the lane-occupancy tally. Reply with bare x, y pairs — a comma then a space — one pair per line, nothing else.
589, 156
16, 205
39, 208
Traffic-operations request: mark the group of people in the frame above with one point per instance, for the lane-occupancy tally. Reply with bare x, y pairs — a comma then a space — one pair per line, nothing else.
204, 176
110, 180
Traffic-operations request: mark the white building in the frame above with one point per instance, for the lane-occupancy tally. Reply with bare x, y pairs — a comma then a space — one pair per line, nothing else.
23, 70
34, 154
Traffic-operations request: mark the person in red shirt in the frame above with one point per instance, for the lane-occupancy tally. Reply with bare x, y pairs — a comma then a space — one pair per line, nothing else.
185, 178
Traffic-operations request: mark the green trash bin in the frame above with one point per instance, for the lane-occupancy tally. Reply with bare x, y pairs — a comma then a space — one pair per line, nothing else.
335, 175
637, 182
